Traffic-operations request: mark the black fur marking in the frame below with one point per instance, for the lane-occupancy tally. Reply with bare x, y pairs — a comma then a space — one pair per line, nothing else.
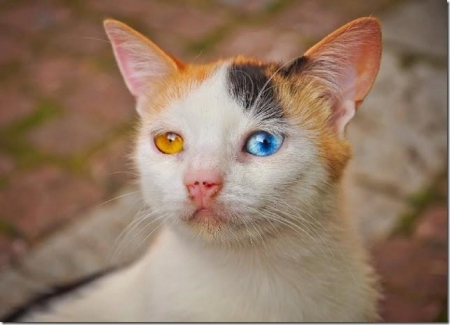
42, 301
294, 67
250, 86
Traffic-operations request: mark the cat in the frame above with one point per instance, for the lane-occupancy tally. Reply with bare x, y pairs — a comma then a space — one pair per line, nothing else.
242, 159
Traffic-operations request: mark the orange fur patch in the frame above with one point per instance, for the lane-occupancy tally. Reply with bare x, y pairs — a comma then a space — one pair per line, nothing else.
310, 110
177, 85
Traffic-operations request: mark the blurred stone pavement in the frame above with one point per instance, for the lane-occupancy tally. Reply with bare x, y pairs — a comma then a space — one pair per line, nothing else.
68, 189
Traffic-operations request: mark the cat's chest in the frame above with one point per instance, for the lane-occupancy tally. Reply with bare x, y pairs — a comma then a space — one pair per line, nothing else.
219, 297
185, 286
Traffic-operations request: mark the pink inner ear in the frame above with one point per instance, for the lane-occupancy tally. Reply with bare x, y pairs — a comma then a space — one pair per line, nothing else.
350, 60
140, 61
126, 66
342, 113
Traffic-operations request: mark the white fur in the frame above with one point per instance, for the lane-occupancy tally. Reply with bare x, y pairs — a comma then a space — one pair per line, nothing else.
304, 266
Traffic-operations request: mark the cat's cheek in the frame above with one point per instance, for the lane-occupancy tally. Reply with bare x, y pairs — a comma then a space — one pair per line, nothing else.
159, 174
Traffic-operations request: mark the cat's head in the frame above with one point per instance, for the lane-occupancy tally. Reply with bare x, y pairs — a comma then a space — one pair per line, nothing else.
236, 148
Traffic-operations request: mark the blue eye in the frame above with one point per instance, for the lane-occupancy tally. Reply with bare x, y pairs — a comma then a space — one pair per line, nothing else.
262, 143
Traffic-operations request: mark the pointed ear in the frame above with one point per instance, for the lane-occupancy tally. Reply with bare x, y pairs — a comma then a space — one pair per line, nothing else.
140, 61
347, 61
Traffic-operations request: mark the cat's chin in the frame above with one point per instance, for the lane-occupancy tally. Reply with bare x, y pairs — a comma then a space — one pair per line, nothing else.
209, 223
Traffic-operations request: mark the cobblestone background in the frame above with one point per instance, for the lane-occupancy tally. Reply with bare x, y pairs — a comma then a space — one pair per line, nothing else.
66, 120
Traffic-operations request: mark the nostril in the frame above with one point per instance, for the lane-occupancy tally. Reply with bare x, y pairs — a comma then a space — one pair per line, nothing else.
209, 185
203, 183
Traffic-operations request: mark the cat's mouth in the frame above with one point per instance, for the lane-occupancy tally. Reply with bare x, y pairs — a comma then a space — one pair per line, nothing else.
224, 224
214, 219
206, 215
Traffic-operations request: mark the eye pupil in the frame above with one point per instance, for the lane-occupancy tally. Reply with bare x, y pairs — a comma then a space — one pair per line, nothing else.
262, 143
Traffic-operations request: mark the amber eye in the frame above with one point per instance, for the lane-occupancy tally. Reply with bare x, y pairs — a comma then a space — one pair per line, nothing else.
169, 143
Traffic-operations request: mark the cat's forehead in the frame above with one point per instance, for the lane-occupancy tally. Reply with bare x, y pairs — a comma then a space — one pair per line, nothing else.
247, 85
208, 108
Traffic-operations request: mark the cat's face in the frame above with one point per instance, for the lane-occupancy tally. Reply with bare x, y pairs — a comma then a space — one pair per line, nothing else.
237, 149
219, 125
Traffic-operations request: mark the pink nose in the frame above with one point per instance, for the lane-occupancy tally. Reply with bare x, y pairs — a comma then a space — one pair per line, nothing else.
203, 185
